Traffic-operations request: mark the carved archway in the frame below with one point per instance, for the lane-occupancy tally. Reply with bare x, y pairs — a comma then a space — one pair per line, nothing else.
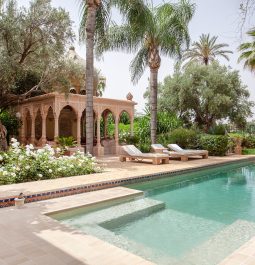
67, 122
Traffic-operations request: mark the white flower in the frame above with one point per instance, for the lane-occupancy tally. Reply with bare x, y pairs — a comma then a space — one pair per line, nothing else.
27, 167
5, 173
40, 151
50, 170
58, 150
31, 146
13, 140
39, 175
15, 144
13, 174
1, 158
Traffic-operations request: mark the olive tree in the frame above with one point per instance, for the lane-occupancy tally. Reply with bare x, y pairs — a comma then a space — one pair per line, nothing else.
32, 42
206, 94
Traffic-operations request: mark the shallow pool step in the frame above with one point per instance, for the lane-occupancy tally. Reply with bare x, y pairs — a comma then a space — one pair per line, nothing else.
99, 223
221, 244
118, 214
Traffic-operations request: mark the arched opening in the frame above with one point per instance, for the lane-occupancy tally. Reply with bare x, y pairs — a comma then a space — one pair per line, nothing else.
107, 124
38, 125
50, 125
28, 126
83, 128
67, 122
72, 90
107, 131
124, 127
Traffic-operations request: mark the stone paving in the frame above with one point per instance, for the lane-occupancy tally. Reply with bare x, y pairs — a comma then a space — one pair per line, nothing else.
113, 170
29, 237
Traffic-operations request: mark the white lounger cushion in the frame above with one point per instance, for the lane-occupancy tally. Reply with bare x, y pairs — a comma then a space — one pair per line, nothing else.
131, 150
175, 147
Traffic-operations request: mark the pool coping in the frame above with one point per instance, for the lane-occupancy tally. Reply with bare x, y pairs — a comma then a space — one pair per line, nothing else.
39, 239
98, 185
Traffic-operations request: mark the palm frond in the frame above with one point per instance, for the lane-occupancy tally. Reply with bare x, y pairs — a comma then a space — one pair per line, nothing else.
138, 64
102, 20
248, 52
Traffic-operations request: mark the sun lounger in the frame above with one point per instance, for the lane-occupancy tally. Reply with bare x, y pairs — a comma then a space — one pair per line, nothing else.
132, 153
177, 151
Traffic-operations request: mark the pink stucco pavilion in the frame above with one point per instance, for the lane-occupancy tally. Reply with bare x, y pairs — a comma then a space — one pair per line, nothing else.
46, 117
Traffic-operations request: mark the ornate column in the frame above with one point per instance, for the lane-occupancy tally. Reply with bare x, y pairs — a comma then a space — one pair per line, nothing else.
56, 126
32, 138
43, 139
22, 130
117, 133
79, 129
98, 149
98, 130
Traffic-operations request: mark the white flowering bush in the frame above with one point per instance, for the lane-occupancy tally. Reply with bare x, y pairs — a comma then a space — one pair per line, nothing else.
25, 163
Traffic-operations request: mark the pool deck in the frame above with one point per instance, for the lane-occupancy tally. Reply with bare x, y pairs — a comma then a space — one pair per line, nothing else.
114, 170
30, 237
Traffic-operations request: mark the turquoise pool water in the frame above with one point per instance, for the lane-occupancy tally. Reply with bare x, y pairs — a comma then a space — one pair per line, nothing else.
206, 216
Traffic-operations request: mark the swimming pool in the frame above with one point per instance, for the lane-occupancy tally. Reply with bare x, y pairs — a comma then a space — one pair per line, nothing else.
191, 219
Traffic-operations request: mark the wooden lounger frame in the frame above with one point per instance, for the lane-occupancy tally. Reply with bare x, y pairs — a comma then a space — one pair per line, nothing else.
156, 160
185, 157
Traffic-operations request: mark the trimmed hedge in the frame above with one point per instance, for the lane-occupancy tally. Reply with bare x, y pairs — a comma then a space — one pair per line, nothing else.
248, 141
185, 138
248, 152
217, 145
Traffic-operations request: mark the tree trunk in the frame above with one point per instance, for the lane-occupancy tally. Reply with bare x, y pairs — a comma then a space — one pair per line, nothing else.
3, 134
153, 103
154, 64
90, 30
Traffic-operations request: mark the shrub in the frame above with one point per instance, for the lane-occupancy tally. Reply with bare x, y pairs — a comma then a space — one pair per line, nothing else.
219, 129
22, 164
167, 122
249, 141
217, 145
65, 142
127, 138
144, 145
248, 151
186, 138
11, 122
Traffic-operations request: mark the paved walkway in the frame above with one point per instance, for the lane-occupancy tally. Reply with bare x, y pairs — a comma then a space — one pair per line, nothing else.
113, 170
29, 237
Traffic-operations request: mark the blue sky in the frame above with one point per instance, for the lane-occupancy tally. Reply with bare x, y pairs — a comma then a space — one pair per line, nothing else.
217, 17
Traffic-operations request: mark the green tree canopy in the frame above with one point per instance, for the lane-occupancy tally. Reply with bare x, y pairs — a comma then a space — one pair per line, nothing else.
206, 94
32, 44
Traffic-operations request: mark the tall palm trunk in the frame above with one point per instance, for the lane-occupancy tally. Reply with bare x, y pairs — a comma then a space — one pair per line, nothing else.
154, 64
90, 31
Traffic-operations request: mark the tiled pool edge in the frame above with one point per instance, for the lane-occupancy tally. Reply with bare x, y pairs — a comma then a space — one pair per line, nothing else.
9, 201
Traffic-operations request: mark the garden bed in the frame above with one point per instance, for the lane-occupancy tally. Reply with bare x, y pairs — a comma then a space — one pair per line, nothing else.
25, 163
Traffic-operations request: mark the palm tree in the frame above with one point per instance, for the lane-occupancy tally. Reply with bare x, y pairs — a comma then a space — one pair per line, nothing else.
95, 17
153, 31
206, 50
248, 52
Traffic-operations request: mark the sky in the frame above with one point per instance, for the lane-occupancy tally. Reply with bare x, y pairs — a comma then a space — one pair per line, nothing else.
218, 17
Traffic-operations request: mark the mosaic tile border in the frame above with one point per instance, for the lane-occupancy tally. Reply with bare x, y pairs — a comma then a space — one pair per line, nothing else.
6, 202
